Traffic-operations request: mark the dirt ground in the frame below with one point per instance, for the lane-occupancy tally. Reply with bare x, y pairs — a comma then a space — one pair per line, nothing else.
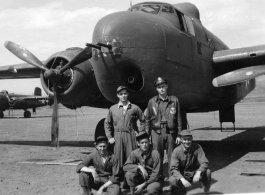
24, 142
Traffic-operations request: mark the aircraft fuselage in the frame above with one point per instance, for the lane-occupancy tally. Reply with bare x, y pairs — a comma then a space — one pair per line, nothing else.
148, 46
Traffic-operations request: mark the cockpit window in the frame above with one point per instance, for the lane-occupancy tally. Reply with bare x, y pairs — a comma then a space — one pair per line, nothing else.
136, 8
152, 9
167, 9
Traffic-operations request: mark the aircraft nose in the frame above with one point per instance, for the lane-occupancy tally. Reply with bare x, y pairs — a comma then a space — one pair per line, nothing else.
132, 29
137, 39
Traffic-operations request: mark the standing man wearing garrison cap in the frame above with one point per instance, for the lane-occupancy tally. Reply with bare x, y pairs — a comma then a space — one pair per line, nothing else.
188, 165
163, 120
121, 125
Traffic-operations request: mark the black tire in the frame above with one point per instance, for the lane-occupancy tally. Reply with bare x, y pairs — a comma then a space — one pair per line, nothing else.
27, 114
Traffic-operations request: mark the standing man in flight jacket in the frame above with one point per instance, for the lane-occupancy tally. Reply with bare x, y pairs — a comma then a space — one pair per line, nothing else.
163, 120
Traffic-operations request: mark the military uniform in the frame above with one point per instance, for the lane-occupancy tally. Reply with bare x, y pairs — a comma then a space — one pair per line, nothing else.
163, 122
151, 163
185, 163
110, 170
122, 124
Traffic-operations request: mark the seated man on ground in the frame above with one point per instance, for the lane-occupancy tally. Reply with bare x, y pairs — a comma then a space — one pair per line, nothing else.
100, 170
188, 165
143, 168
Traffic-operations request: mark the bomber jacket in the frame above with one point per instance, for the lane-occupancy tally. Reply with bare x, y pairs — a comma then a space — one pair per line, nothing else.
173, 116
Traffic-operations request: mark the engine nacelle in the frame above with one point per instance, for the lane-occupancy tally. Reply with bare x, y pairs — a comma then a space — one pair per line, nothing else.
77, 87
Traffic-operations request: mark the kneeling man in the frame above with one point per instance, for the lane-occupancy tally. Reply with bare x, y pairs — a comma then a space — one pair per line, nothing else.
143, 168
188, 165
100, 170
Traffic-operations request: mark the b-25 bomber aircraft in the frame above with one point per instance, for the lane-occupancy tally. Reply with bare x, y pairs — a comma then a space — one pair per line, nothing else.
11, 101
136, 46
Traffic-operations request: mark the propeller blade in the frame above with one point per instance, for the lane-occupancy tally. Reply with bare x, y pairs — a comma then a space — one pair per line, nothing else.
55, 122
24, 54
239, 76
82, 56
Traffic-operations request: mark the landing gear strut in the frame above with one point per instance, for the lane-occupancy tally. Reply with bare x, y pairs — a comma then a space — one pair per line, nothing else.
1, 114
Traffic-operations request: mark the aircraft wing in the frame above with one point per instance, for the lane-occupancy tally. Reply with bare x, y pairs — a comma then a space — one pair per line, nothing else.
238, 65
19, 71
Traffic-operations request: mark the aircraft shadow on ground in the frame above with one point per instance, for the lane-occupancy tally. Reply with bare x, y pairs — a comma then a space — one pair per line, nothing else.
222, 153
219, 153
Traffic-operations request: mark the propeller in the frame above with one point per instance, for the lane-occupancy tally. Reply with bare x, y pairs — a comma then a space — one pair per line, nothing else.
239, 76
52, 74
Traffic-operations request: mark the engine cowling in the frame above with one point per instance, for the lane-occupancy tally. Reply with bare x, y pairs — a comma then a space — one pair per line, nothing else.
77, 87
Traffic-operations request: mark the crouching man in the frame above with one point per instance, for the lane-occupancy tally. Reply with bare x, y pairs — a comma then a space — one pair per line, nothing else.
143, 168
100, 170
188, 165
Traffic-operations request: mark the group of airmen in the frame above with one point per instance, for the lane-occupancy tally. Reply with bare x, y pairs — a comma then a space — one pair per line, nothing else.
137, 161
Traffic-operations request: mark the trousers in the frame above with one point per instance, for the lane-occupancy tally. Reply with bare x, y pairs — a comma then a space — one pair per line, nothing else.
87, 180
180, 188
134, 178
164, 141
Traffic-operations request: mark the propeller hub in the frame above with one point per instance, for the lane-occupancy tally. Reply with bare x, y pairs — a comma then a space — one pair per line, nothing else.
51, 74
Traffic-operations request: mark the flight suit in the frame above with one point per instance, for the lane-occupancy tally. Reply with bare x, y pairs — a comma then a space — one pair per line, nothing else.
110, 170
184, 164
151, 162
163, 123
122, 124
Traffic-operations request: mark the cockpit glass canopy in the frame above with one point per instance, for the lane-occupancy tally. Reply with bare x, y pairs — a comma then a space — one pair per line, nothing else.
151, 9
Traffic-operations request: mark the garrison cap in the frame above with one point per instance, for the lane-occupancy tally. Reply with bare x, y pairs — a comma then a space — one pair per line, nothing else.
121, 88
101, 139
142, 135
185, 132
159, 81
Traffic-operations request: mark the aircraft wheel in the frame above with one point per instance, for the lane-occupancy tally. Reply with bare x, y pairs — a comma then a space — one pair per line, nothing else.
1, 114
100, 131
27, 114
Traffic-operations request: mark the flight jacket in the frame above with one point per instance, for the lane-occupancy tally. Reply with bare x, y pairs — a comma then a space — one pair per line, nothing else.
173, 116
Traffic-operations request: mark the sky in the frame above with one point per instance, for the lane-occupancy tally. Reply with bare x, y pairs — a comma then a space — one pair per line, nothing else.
45, 27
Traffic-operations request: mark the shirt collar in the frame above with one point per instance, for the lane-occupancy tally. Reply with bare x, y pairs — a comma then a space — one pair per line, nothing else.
121, 105
146, 154
159, 98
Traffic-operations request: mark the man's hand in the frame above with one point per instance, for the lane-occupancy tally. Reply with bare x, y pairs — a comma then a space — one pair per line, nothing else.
100, 191
96, 177
111, 140
178, 140
139, 188
185, 182
196, 177
144, 172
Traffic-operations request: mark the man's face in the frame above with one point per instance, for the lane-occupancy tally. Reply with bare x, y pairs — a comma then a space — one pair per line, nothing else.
102, 147
162, 89
144, 144
186, 141
123, 95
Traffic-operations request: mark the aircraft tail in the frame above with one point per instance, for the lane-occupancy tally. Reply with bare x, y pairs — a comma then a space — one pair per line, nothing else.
37, 91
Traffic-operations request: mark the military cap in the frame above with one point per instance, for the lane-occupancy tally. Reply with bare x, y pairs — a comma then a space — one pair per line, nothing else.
185, 132
142, 135
121, 88
101, 139
160, 81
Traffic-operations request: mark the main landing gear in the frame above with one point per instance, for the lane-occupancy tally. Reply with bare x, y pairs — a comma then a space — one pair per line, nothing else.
1, 114
27, 114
